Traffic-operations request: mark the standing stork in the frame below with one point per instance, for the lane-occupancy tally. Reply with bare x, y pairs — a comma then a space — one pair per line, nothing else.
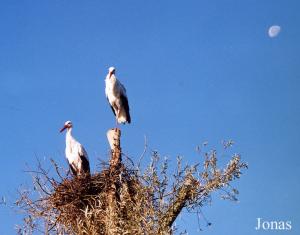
116, 96
75, 152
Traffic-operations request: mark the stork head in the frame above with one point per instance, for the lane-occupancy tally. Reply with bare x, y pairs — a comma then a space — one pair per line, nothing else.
111, 71
67, 125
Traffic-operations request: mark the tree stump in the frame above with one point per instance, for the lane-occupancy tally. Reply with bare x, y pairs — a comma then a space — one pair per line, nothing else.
112, 225
113, 136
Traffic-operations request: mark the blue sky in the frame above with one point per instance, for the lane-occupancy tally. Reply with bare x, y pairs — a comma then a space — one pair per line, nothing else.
195, 71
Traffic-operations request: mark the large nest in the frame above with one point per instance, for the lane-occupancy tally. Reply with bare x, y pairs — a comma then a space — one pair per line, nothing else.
82, 204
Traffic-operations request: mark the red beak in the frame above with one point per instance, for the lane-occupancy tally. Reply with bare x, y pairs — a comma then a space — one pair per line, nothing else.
62, 129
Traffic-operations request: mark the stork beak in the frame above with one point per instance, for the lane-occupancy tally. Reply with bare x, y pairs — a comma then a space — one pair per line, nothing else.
62, 129
111, 73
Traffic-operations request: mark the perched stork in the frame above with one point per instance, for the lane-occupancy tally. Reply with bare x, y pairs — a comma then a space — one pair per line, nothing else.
75, 152
116, 96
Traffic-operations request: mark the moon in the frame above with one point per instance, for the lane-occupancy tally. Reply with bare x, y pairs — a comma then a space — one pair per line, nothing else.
274, 30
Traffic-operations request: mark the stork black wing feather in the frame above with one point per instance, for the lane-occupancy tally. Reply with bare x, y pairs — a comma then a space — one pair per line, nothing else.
85, 164
126, 107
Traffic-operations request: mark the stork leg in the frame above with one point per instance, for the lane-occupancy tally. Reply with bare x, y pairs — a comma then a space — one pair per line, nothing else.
116, 124
117, 115
116, 112
73, 169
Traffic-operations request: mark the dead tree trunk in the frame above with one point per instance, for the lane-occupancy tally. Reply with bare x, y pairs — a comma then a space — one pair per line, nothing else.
112, 225
184, 194
114, 136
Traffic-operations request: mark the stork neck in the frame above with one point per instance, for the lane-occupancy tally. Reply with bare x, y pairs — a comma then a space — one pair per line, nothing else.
69, 136
111, 77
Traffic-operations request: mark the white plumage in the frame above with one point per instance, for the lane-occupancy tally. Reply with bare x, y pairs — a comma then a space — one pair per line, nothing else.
117, 98
75, 152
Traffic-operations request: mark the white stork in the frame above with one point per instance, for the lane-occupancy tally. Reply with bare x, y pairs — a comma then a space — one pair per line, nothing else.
75, 152
116, 96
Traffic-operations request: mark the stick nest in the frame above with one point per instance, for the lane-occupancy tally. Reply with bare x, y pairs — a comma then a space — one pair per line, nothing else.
84, 204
